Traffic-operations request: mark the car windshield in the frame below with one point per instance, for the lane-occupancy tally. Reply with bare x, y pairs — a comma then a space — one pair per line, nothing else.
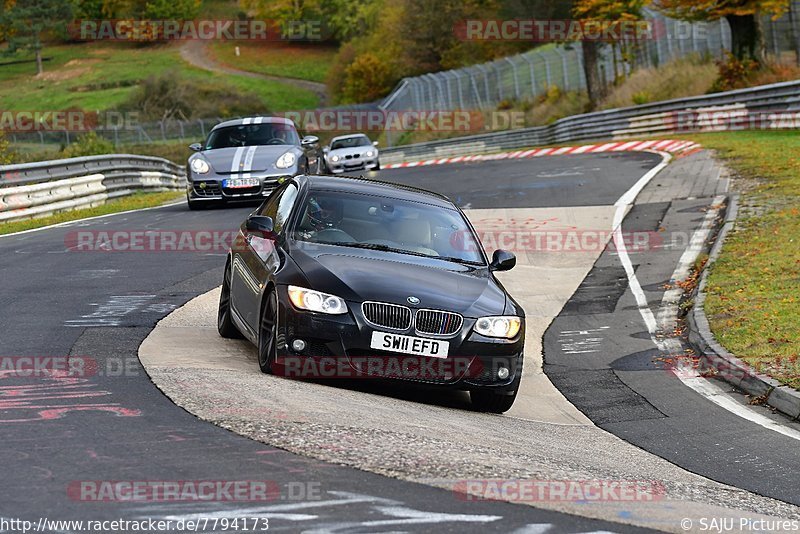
381, 223
253, 134
350, 142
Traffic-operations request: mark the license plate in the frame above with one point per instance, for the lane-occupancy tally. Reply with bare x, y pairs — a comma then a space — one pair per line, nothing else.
240, 182
418, 346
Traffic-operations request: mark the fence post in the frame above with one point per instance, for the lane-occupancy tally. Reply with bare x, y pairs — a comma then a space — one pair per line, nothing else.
516, 81
475, 89
485, 83
547, 75
529, 61
563, 67
460, 92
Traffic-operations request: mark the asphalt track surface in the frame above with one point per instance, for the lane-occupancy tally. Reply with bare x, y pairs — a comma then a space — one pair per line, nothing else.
115, 425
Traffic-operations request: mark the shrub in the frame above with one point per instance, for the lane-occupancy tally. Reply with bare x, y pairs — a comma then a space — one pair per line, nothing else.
168, 97
642, 97
366, 79
88, 144
734, 73
7, 156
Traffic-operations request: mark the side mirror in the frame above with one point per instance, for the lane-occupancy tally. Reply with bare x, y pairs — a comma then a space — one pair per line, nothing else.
374, 143
502, 260
197, 147
325, 149
309, 141
262, 225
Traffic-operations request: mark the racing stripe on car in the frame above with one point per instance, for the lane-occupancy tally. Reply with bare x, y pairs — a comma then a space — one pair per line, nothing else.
258, 120
248, 161
237, 159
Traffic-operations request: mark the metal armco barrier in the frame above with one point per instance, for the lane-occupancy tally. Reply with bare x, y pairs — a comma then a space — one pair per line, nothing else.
775, 106
38, 189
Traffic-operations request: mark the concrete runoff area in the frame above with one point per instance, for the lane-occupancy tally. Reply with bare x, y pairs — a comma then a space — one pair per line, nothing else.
431, 436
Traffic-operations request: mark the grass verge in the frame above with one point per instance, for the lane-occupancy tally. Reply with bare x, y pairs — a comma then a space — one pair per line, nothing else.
132, 202
303, 61
101, 76
754, 286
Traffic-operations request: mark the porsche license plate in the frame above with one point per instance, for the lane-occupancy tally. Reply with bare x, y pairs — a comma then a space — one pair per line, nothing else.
235, 183
418, 346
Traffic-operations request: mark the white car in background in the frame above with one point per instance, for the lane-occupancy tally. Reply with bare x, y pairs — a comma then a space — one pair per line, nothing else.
352, 152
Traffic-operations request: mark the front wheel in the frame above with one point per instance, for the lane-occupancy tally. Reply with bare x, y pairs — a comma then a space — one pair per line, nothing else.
225, 325
484, 400
268, 334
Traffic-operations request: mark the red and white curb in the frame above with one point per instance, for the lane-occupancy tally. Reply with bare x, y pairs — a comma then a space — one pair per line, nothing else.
673, 147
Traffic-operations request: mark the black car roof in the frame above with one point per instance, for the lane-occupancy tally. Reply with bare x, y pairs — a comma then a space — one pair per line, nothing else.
376, 187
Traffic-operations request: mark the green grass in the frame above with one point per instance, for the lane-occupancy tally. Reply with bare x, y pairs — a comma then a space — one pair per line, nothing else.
132, 202
307, 61
101, 76
754, 286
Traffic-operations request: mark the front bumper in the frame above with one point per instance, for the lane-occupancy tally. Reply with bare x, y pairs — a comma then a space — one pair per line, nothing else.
338, 346
345, 165
211, 188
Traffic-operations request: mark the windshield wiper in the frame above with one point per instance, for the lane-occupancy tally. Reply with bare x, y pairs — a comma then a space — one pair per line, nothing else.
370, 246
387, 248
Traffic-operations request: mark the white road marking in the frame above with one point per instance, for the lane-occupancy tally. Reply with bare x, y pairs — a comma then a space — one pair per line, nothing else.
670, 345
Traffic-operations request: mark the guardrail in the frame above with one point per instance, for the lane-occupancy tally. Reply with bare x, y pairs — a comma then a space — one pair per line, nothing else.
38, 189
768, 106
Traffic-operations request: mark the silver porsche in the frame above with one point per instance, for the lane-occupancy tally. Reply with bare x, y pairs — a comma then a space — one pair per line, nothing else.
246, 159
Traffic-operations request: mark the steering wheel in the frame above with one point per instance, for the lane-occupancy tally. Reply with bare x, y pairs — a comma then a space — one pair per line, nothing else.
278, 139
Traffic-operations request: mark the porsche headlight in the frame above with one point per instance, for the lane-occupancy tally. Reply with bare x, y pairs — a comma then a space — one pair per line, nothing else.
200, 166
502, 326
335, 158
308, 299
286, 160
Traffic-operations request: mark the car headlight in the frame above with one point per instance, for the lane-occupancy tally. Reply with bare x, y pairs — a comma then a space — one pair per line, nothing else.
503, 326
334, 158
308, 299
286, 160
200, 166
370, 153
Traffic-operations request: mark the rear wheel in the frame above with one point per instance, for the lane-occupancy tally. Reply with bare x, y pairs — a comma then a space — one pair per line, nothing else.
486, 400
268, 334
225, 325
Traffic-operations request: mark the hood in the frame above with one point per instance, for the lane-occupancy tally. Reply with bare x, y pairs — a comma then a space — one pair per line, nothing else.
246, 159
359, 275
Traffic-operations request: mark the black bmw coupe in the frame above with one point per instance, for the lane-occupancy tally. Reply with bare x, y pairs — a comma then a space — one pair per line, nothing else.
335, 277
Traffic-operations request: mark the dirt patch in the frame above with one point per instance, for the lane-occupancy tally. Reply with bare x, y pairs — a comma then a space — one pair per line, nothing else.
63, 74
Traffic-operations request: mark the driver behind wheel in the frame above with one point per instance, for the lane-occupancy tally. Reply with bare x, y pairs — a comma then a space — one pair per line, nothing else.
323, 213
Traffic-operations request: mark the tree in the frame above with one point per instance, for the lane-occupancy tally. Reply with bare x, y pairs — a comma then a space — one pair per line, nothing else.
24, 22
747, 40
601, 10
